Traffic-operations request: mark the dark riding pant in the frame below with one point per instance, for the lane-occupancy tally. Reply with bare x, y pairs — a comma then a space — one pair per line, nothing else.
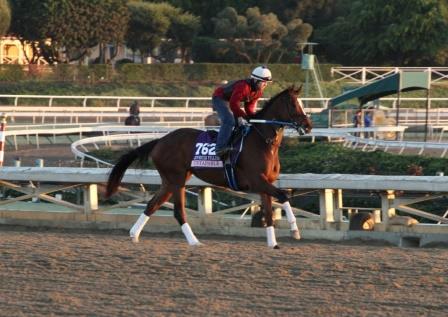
227, 122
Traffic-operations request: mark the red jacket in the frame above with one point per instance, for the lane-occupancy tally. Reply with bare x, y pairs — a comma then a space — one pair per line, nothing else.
237, 92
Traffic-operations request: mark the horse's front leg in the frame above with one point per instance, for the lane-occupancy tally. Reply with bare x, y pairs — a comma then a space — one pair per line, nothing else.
282, 197
266, 202
295, 233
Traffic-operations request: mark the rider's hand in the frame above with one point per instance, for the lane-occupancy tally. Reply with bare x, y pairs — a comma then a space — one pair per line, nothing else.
248, 116
242, 121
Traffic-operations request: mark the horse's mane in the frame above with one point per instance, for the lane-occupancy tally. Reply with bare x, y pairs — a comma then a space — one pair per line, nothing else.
269, 103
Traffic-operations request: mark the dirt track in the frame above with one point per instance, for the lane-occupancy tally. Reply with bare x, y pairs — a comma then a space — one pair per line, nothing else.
59, 273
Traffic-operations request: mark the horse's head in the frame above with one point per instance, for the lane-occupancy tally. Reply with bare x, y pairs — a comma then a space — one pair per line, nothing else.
286, 108
295, 112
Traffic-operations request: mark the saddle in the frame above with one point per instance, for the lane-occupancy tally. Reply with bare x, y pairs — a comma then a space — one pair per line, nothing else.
236, 143
204, 155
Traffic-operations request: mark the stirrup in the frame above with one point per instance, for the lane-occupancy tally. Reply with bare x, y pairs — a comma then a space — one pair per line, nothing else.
224, 152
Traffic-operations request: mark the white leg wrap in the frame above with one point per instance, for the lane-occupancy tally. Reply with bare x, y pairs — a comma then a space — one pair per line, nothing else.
191, 238
138, 227
270, 232
290, 216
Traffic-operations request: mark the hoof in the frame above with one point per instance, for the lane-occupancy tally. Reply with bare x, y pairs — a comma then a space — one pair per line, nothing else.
276, 247
134, 239
197, 245
296, 234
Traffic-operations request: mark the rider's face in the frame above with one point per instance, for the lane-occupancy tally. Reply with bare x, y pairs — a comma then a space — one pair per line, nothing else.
262, 84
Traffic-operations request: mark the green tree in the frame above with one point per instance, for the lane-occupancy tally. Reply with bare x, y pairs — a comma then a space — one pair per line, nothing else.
183, 29
27, 23
110, 25
5, 16
160, 29
148, 26
257, 37
298, 32
209, 9
72, 28
312, 11
400, 32
77, 26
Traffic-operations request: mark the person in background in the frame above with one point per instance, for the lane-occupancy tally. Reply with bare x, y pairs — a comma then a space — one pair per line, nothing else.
227, 100
134, 112
357, 123
368, 120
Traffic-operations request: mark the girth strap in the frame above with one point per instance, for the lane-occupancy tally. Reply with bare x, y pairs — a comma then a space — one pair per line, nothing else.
230, 175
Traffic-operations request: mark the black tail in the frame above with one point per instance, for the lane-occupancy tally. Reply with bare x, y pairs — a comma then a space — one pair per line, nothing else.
116, 175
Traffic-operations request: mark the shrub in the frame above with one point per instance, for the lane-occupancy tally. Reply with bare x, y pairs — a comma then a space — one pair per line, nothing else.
11, 73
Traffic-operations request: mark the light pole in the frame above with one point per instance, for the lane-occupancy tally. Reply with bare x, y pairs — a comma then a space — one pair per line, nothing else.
308, 64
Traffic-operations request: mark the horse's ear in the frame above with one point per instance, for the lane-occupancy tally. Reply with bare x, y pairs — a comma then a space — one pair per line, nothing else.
298, 90
294, 89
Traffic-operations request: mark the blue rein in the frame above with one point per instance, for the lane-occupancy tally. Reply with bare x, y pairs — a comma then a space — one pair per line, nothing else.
294, 125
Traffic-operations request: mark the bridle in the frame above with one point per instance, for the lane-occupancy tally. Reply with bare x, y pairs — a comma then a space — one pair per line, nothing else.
293, 123
297, 124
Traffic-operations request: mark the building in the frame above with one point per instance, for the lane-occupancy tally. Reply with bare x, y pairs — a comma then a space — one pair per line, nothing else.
12, 52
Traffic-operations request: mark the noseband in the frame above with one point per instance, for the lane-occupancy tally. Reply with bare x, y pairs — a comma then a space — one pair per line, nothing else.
296, 124
295, 121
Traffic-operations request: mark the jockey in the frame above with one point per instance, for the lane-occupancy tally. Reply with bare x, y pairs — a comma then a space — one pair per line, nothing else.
227, 99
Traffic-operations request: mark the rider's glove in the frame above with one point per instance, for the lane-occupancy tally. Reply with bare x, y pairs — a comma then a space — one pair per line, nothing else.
242, 121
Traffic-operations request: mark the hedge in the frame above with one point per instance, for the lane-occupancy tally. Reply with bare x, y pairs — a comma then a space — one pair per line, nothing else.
11, 73
147, 73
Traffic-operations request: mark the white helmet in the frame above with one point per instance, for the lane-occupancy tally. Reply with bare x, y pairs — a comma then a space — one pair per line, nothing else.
261, 73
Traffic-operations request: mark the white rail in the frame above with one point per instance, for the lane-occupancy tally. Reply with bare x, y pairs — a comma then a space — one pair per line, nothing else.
373, 144
83, 100
19, 102
79, 109
60, 129
366, 74
138, 133
79, 149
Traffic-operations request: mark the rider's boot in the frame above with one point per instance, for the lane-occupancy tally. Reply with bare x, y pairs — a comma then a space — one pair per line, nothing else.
224, 152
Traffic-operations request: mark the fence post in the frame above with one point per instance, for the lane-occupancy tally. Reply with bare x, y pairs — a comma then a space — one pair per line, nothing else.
90, 198
387, 211
2, 137
205, 202
338, 205
326, 206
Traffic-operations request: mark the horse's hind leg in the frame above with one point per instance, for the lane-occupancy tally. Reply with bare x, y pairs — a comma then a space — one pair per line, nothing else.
266, 201
159, 198
181, 216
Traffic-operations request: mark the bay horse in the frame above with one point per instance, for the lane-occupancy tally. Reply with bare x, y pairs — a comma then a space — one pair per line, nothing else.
257, 168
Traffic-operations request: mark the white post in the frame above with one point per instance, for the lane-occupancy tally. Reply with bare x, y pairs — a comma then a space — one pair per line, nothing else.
90, 198
205, 202
376, 215
338, 204
326, 207
2, 137
387, 199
